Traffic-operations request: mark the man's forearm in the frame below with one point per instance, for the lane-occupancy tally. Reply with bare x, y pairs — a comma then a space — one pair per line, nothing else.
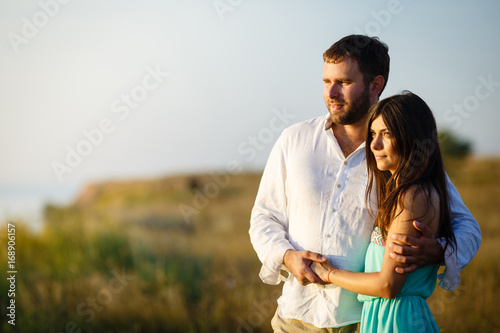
270, 242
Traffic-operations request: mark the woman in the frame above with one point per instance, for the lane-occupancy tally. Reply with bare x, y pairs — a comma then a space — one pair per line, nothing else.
405, 166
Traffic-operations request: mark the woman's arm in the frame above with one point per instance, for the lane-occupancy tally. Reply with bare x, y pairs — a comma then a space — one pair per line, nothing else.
386, 283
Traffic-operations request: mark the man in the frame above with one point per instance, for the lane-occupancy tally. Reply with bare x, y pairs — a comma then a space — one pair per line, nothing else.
311, 200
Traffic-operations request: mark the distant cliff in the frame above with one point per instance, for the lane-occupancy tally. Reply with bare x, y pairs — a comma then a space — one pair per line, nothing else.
218, 200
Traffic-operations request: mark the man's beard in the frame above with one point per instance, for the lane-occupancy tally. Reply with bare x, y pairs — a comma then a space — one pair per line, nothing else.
354, 111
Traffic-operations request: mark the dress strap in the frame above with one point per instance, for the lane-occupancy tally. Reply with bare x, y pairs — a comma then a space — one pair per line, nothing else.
377, 238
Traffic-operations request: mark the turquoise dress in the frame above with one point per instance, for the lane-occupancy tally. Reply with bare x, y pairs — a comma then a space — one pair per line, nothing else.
408, 311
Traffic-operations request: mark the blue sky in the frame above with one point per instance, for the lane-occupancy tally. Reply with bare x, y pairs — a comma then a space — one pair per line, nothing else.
187, 86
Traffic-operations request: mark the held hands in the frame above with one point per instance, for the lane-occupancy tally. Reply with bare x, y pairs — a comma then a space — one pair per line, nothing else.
416, 251
309, 267
299, 262
322, 269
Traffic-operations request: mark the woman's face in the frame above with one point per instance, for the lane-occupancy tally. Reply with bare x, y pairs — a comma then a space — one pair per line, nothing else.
381, 146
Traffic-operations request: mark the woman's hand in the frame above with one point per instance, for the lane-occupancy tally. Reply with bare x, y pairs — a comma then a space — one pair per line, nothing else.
322, 269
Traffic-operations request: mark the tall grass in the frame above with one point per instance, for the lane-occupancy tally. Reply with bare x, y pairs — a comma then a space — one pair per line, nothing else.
124, 259
472, 307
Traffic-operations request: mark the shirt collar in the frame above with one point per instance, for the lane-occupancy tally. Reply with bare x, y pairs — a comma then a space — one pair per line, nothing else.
328, 123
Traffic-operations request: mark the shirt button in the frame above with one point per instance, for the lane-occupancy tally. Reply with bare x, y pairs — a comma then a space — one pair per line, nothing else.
345, 162
327, 236
333, 210
338, 185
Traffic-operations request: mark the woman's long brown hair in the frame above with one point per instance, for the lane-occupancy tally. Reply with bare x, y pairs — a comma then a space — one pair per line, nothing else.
415, 140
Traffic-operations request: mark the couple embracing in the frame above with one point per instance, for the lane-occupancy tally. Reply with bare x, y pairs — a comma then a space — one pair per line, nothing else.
357, 207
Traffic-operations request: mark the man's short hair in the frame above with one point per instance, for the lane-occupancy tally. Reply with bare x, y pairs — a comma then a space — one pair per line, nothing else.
370, 53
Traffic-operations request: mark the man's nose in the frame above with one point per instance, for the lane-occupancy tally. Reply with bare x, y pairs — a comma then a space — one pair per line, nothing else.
334, 91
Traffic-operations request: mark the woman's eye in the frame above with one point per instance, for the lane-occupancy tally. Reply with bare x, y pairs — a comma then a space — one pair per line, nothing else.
387, 134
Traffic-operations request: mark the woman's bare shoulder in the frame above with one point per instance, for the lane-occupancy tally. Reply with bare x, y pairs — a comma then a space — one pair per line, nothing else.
423, 204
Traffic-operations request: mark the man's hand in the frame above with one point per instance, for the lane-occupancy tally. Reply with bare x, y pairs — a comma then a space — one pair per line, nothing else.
416, 251
298, 263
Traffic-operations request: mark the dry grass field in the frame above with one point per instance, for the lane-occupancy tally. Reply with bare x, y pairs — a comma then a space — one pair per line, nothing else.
472, 307
173, 255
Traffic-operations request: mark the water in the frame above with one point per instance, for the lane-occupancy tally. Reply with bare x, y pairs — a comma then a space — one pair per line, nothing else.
26, 202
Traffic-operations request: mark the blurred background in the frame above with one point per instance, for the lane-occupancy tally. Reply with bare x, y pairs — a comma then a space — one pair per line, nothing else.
134, 135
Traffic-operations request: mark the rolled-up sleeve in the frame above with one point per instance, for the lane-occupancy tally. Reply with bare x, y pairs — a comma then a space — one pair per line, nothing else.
269, 222
468, 236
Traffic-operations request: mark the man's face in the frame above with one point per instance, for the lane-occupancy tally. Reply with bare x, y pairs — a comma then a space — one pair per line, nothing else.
346, 96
